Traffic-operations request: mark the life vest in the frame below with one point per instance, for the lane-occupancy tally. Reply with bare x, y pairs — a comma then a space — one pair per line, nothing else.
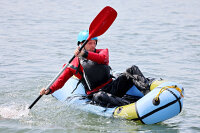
94, 74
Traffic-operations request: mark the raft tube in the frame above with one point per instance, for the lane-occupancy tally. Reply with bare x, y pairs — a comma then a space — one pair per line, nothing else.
164, 101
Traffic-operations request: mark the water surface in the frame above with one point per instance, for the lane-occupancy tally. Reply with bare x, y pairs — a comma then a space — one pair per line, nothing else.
38, 37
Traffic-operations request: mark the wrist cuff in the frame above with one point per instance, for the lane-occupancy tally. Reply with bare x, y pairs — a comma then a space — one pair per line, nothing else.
85, 55
49, 92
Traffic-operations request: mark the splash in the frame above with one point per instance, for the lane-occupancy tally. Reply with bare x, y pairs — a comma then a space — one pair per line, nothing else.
13, 111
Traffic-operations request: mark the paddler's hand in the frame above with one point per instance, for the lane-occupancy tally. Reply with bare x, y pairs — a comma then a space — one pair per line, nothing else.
43, 91
78, 53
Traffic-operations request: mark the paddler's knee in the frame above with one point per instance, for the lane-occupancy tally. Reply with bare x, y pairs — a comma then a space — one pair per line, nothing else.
138, 78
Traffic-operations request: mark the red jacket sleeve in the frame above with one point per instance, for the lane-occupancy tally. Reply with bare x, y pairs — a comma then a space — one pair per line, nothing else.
101, 56
62, 79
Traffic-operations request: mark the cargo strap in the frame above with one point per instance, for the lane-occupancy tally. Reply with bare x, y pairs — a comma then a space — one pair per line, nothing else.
166, 87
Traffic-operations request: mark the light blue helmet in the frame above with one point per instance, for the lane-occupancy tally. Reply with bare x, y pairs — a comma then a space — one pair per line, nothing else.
83, 35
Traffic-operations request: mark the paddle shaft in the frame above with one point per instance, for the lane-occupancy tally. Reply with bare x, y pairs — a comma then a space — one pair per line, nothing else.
55, 78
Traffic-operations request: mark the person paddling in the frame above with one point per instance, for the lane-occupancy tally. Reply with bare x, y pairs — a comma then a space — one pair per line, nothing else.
91, 67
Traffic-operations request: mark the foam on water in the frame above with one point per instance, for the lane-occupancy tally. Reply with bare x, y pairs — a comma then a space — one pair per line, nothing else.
14, 111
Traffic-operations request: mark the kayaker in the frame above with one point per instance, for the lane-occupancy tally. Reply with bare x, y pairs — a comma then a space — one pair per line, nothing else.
91, 67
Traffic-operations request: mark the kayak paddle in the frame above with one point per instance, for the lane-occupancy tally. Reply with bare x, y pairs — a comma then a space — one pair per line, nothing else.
99, 25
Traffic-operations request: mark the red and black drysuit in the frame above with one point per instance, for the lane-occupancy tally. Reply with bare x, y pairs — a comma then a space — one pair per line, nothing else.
100, 56
94, 72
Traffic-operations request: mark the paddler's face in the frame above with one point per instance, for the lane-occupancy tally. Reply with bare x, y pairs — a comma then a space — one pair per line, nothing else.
90, 46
